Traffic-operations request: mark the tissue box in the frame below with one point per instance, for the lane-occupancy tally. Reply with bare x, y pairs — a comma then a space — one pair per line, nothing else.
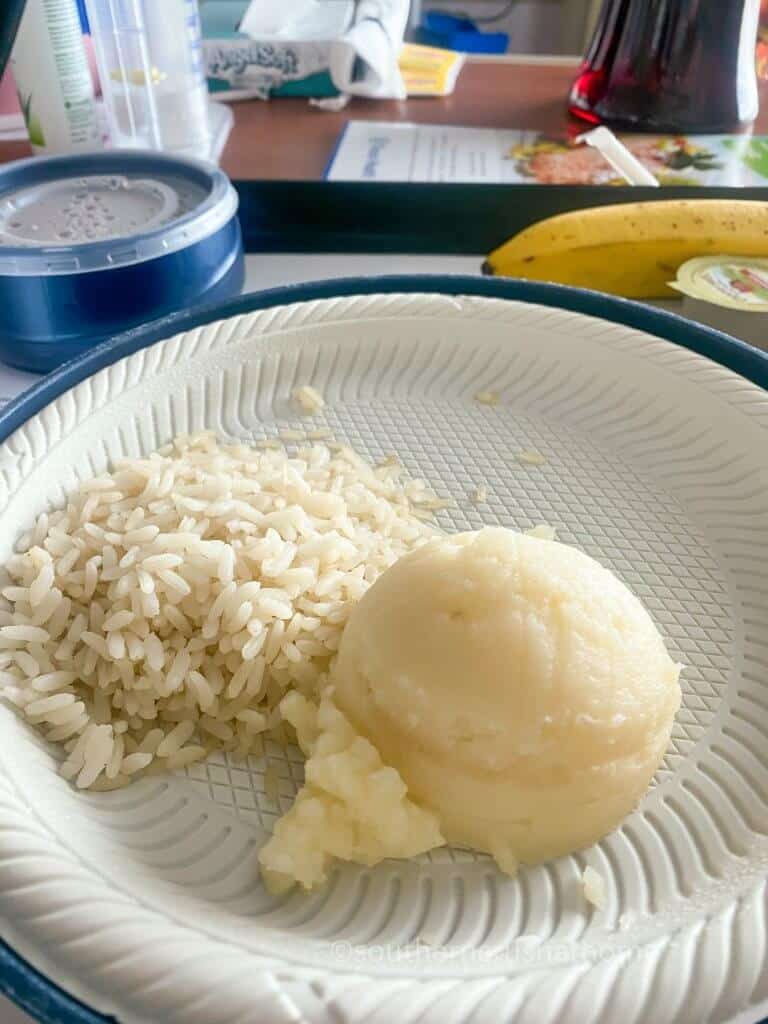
238, 66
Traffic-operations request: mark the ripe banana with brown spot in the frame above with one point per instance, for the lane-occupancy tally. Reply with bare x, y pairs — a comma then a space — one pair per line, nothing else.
632, 249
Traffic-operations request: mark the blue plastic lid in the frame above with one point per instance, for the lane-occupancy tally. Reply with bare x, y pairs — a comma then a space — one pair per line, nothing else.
73, 214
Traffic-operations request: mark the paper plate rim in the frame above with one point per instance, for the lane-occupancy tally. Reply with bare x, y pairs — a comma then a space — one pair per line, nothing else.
20, 981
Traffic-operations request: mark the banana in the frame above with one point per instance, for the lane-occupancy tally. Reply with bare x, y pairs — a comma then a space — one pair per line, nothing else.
632, 249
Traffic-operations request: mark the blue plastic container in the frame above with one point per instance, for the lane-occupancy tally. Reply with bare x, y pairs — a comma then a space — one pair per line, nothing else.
457, 33
94, 245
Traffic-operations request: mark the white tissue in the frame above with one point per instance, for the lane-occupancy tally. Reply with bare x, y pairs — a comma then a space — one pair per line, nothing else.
297, 20
365, 35
364, 59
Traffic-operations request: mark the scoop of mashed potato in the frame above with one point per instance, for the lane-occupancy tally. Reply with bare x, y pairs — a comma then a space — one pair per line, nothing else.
520, 690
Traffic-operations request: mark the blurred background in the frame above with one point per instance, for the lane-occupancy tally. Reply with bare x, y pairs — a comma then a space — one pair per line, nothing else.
533, 26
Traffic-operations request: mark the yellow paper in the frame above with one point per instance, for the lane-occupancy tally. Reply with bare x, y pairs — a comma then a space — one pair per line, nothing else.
429, 71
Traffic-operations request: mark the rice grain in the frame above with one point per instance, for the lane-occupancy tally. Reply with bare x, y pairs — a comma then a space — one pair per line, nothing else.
308, 399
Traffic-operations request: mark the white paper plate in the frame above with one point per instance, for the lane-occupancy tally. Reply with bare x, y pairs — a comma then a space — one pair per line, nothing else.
145, 904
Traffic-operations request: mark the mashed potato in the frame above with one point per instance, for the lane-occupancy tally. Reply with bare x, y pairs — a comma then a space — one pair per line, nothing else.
494, 690
519, 688
352, 807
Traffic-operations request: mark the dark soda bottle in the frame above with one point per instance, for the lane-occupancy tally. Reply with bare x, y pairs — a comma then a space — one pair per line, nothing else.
670, 66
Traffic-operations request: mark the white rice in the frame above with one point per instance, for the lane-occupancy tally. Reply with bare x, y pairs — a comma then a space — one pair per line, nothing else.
531, 458
487, 397
594, 887
168, 608
308, 399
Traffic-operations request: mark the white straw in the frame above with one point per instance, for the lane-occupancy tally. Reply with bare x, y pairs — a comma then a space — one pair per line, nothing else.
618, 156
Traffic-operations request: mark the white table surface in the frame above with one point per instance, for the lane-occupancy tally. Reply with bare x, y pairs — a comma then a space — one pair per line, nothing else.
269, 271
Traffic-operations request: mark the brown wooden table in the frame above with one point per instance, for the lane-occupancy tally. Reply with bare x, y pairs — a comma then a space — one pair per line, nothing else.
278, 151
287, 139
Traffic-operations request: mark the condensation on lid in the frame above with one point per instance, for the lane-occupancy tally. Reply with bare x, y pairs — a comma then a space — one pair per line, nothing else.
71, 215
78, 210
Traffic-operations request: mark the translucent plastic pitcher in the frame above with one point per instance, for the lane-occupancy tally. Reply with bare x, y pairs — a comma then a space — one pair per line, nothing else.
150, 61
